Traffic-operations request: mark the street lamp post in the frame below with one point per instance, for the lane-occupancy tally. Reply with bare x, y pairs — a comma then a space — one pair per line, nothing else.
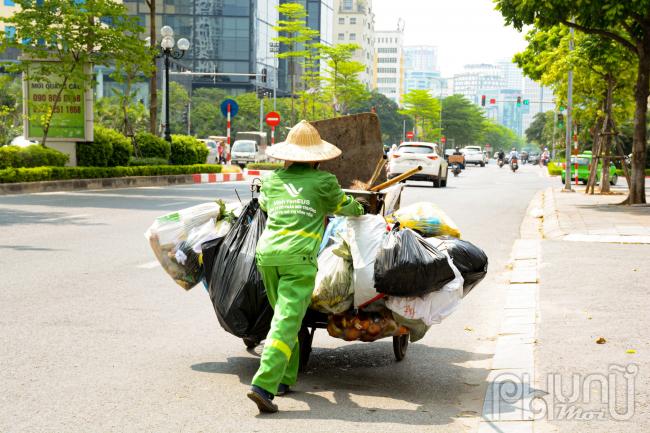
176, 50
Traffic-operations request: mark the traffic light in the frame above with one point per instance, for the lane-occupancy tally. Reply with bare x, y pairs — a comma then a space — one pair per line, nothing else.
493, 101
518, 101
482, 100
264, 75
526, 102
560, 120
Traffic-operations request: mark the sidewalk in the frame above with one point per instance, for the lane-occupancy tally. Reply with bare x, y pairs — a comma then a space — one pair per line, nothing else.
575, 216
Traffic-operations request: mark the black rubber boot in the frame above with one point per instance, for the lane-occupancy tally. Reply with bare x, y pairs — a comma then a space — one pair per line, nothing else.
262, 399
283, 390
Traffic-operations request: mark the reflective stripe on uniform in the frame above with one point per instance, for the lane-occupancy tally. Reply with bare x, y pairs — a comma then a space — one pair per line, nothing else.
340, 205
300, 233
280, 345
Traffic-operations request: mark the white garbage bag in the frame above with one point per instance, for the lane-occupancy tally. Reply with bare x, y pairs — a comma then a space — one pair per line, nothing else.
333, 289
433, 307
364, 234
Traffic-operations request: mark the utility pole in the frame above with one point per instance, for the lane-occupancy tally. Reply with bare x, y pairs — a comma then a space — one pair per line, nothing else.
569, 121
553, 137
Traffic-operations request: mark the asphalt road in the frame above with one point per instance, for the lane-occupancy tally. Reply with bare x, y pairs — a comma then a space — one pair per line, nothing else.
96, 337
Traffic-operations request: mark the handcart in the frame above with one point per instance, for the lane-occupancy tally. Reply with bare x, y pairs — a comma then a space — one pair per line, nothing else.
383, 199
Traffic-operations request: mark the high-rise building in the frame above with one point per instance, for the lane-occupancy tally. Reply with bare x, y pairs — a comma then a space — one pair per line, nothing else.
320, 16
7, 9
421, 58
540, 99
389, 63
476, 79
354, 23
421, 70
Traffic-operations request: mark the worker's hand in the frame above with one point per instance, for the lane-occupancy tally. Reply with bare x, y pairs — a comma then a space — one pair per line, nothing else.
365, 204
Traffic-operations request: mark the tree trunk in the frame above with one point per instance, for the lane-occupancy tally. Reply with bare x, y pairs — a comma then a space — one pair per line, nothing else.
153, 81
607, 142
596, 150
641, 91
48, 121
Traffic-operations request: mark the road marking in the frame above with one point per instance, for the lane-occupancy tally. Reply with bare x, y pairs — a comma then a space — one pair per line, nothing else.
174, 203
149, 265
81, 215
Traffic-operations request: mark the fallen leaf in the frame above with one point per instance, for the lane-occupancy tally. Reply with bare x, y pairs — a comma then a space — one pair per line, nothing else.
469, 329
630, 351
588, 317
471, 384
467, 414
601, 340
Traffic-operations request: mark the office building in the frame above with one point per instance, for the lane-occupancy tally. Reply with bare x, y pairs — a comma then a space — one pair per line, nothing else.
354, 23
421, 58
421, 70
476, 79
389, 63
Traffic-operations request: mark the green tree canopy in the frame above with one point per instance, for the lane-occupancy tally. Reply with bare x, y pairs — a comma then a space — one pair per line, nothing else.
73, 35
462, 121
625, 22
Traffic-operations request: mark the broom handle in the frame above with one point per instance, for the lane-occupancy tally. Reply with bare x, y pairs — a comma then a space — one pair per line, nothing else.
396, 179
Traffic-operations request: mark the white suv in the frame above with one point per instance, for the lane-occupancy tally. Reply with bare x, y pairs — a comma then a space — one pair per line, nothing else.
412, 154
473, 155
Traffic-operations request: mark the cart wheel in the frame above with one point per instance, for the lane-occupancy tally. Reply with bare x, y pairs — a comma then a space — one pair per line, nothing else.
400, 344
250, 343
304, 340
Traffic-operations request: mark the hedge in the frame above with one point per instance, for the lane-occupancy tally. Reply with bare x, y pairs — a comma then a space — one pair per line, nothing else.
11, 175
109, 149
188, 150
620, 172
133, 161
554, 169
264, 165
152, 146
34, 155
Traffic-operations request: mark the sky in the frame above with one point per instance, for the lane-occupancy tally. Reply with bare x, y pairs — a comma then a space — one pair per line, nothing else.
465, 31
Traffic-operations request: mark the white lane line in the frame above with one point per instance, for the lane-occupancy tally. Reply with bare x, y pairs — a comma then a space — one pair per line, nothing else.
173, 203
81, 215
149, 265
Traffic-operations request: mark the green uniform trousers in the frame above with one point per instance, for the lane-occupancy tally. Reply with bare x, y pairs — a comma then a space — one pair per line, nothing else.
289, 290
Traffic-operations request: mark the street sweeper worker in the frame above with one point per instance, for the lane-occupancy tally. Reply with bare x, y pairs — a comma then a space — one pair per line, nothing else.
297, 199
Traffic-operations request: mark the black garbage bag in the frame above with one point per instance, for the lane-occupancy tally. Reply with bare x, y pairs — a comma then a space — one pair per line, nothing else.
407, 265
236, 286
471, 261
209, 250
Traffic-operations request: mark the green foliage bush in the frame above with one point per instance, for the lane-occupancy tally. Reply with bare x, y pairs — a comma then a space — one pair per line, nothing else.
31, 156
264, 165
109, 149
188, 150
152, 146
554, 169
137, 162
11, 175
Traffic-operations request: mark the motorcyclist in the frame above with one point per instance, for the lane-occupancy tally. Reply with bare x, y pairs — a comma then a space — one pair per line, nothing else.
458, 152
501, 155
545, 157
514, 154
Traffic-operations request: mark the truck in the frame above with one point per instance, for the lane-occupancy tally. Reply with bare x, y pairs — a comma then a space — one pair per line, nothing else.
248, 147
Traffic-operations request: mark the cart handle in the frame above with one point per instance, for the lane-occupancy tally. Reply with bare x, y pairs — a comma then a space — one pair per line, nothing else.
396, 179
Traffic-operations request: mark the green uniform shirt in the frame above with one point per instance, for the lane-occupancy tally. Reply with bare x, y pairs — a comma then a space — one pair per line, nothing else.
297, 200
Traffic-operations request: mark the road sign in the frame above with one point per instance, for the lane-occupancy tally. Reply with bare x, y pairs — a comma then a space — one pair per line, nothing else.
234, 108
488, 146
410, 135
443, 139
273, 118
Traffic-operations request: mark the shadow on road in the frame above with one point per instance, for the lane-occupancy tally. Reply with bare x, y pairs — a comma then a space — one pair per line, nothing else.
362, 382
16, 216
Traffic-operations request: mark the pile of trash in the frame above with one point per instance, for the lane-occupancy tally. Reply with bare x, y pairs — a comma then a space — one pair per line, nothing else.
377, 276
411, 266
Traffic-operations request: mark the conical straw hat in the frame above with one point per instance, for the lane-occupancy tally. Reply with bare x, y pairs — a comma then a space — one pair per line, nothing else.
303, 144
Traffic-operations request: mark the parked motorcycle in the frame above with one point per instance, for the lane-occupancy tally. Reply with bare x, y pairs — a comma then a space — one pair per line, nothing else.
513, 164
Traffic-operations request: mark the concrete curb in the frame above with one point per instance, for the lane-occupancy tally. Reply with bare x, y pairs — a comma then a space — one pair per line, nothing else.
116, 182
551, 228
507, 404
252, 174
